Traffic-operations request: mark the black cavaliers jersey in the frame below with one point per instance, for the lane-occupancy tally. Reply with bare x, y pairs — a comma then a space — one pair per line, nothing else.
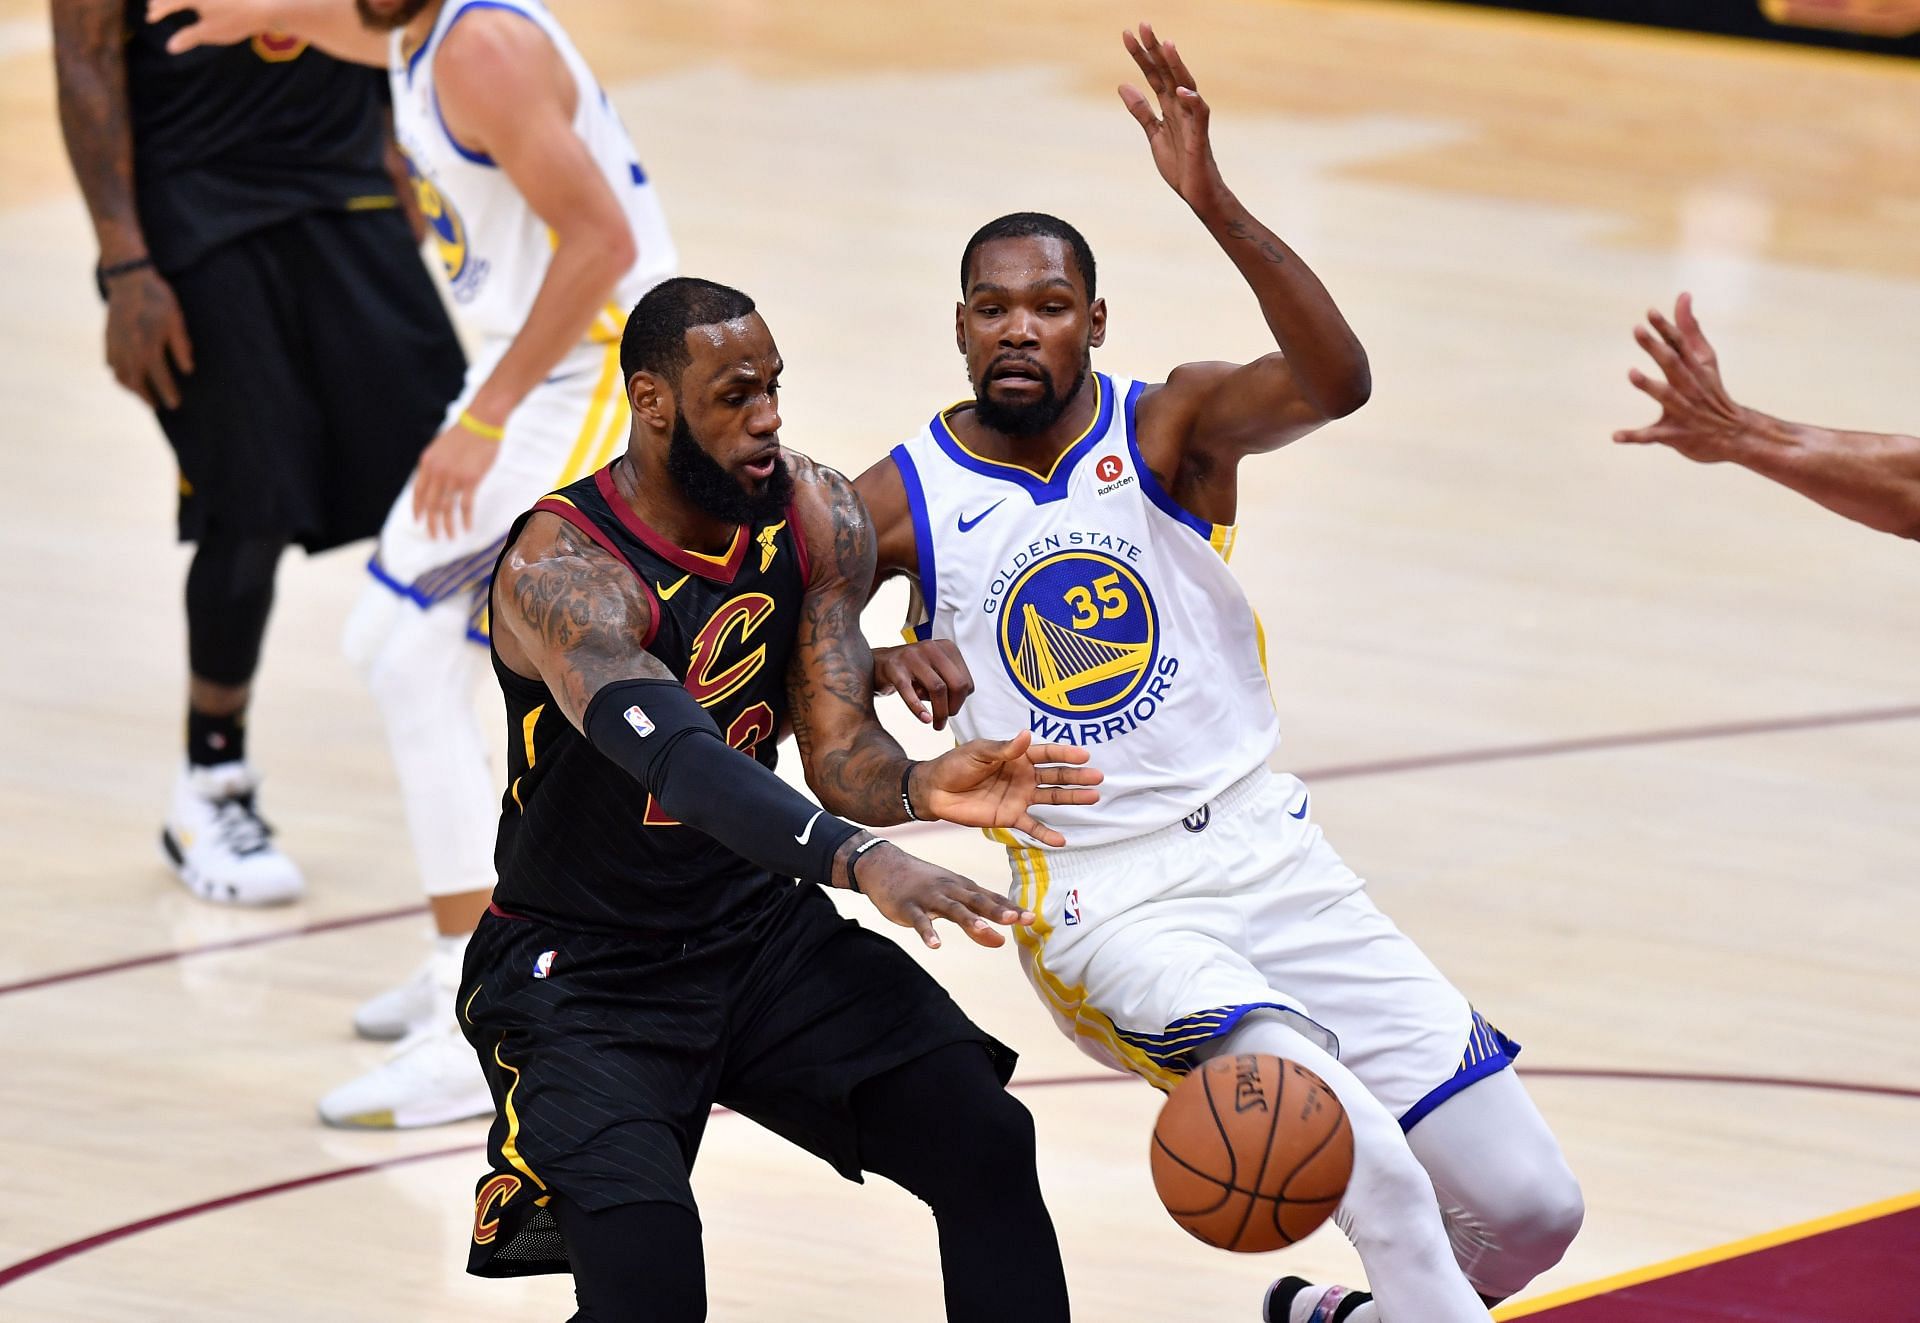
581, 842
230, 139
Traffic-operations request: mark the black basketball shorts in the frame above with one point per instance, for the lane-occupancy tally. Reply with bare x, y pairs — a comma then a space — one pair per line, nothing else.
606, 1053
323, 364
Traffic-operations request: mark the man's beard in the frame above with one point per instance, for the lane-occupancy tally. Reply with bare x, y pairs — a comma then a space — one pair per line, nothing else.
392, 21
715, 491
1030, 417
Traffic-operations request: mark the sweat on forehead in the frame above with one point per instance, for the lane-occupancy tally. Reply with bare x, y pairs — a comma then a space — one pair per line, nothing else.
674, 315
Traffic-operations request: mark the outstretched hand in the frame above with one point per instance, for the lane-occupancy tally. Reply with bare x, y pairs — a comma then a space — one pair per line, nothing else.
1178, 134
1697, 416
993, 783
913, 893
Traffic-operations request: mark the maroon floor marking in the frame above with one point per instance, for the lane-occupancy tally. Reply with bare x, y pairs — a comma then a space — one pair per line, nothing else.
27, 1267
211, 948
1865, 1273
1417, 762
1628, 740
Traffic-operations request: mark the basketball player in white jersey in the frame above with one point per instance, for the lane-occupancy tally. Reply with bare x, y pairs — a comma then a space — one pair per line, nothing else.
1069, 532
549, 231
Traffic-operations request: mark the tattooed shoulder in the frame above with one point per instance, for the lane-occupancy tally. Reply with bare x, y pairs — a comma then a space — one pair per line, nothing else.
582, 615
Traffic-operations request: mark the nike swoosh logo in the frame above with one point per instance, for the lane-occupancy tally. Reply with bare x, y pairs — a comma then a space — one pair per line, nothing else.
807, 835
1302, 814
666, 592
966, 524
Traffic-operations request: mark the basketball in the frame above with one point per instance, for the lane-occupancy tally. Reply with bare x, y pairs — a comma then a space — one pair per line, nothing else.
1252, 1153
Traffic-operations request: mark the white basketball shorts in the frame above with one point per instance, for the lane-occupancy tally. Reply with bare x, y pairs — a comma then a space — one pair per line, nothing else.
1146, 948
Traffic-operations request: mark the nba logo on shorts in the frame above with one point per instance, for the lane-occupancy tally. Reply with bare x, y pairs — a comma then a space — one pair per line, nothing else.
1070, 912
642, 723
544, 965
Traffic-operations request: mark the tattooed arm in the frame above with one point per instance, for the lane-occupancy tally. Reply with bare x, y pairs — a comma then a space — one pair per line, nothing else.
146, 334
566, 612
1222, 411
852, 763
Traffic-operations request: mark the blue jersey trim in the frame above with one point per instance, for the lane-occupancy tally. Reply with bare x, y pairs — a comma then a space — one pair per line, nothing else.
922, 537
1174, 1050
1488, 1053
1043, 490
1150, 484
478, 158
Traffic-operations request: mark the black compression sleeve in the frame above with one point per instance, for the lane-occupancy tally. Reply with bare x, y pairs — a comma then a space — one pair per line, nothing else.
657, 732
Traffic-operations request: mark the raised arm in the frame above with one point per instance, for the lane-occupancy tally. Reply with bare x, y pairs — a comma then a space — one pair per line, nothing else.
1869, 477
1226, 410
852, 763
146, 334
332, 25
568, 612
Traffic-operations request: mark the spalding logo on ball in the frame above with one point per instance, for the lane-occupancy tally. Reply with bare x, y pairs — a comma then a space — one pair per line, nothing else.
1252, 1153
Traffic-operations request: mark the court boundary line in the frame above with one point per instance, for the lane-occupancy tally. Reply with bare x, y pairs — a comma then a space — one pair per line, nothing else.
211, 948
36, 1263
1733, 1249
1494, 753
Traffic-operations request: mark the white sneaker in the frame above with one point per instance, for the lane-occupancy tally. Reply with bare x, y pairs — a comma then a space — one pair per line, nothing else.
415, 1004
431, 1078
218, 843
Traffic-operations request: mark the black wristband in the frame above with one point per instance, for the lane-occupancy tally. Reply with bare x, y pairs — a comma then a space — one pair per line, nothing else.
102, 274
853, 860
906, 800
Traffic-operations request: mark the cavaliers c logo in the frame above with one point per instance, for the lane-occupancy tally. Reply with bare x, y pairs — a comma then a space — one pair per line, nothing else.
1079, 633
496, 1193
737, 620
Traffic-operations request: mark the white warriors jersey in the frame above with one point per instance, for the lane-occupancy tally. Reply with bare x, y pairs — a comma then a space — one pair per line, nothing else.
1093, 610
494, 247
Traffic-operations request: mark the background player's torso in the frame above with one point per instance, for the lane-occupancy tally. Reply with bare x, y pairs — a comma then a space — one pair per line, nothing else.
1092, 610
494, 247
580, 842
230, 139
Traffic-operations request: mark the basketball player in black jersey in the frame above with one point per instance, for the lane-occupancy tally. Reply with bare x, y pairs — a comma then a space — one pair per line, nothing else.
649, 951
265, 297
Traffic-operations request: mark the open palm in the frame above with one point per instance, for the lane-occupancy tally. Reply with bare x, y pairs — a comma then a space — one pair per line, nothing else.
994, 783
1182, 150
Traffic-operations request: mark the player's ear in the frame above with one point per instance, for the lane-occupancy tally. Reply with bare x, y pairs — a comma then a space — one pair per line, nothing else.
652, 400
960, 328
1097, 324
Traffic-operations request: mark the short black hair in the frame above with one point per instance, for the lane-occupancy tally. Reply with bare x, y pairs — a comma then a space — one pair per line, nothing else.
1029, 225
656, 336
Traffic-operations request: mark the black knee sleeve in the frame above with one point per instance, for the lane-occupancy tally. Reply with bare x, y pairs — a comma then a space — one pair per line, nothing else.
635, 1263
229, 596
944, 1128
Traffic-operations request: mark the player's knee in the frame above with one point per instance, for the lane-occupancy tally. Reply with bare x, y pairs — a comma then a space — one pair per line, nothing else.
1004, 1135
1536, 1223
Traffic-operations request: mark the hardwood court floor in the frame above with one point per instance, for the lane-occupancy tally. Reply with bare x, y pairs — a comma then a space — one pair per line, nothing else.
1466, 565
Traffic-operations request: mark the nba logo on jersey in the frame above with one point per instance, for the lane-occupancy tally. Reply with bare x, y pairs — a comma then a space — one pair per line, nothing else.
544, 965
1070, 912
642, 723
